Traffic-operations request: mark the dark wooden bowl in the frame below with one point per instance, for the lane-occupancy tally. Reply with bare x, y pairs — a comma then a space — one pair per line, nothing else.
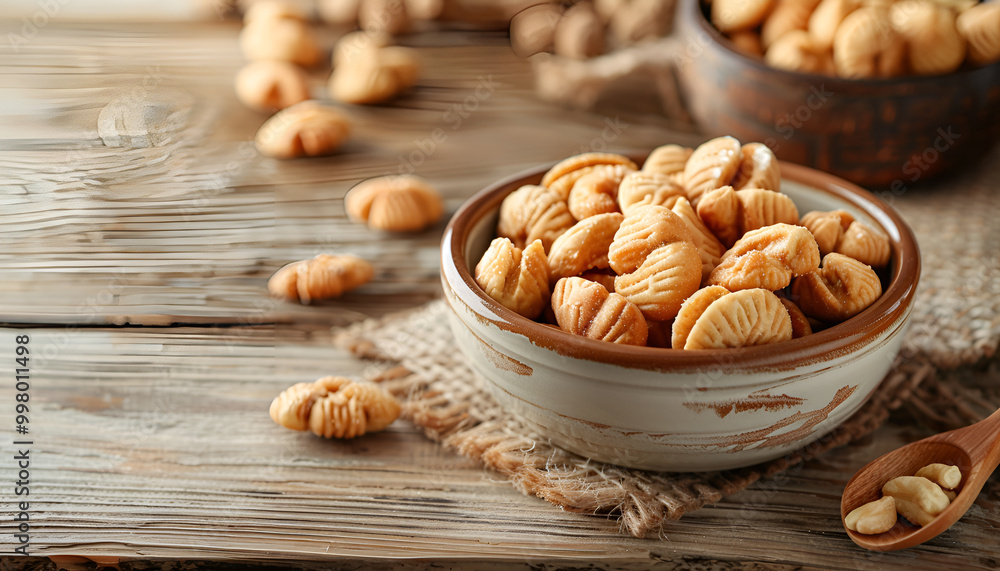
887, 133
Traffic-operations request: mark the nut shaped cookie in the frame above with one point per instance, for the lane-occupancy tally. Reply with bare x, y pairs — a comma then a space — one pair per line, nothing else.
641, 188
534, 213
712, 165
403, 203
584, 246
788, 15
270, 85
657, 263
760, 208
306, 129
767, 258
842, 288
865, 244
709, 247
866, 45
285, 39
934, 45
980, 26
641, 232
596, 192
335, 407
741, 319
353, 44
797, 51
800, 323
730, 214
322, 277
733, 15
665, 279
374, 75
827, 227
585, 308
758, 169
720, 211
518, 279
691, 310
826, 18
576, 162
667, 159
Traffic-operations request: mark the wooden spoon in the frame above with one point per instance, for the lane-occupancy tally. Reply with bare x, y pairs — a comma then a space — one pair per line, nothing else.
974, 449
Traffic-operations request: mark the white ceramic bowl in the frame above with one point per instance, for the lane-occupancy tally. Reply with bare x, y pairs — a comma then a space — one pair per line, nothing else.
663, 409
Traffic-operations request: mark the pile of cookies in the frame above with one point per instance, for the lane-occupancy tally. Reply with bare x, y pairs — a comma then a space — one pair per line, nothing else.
587, 28
863, 38
696, 249
280, 46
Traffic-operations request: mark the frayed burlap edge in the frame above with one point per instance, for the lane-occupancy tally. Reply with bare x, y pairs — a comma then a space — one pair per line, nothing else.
442, 396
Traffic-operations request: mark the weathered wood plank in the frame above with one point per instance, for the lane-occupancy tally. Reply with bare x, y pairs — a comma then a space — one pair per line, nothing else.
190, 231
155, 443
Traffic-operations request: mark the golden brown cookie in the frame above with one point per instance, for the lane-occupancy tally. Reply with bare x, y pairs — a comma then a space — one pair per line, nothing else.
667, 159
518, 279
691, 310
741, 319
641, 188
759, 168
827, 227
657, 263
980, 26
712, 165
934, 45
709, 247
335, 407
734, 15
533, 212
865, 244
767, 258
826, 18
584, 246
866, 45
787, 15
403, 203
577, 162
596, 192
839, 290
323, 277
585, 308
306, 129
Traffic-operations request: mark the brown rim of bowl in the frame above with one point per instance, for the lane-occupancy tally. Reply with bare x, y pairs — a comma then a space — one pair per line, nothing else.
839, 339
724, 42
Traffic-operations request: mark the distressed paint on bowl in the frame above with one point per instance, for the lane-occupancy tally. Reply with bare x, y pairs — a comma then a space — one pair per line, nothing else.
662, 409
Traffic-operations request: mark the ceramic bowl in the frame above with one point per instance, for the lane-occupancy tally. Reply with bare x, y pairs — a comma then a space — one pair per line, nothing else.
664, 409
891, 132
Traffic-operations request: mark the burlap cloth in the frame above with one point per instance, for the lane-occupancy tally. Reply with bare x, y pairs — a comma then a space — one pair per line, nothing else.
938, 378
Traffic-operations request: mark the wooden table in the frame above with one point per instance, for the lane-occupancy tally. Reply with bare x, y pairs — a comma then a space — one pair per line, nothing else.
139, 277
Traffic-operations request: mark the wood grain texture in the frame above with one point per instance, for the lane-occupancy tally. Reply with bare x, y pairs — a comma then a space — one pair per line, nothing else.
153, 443
156, 443
188, 232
